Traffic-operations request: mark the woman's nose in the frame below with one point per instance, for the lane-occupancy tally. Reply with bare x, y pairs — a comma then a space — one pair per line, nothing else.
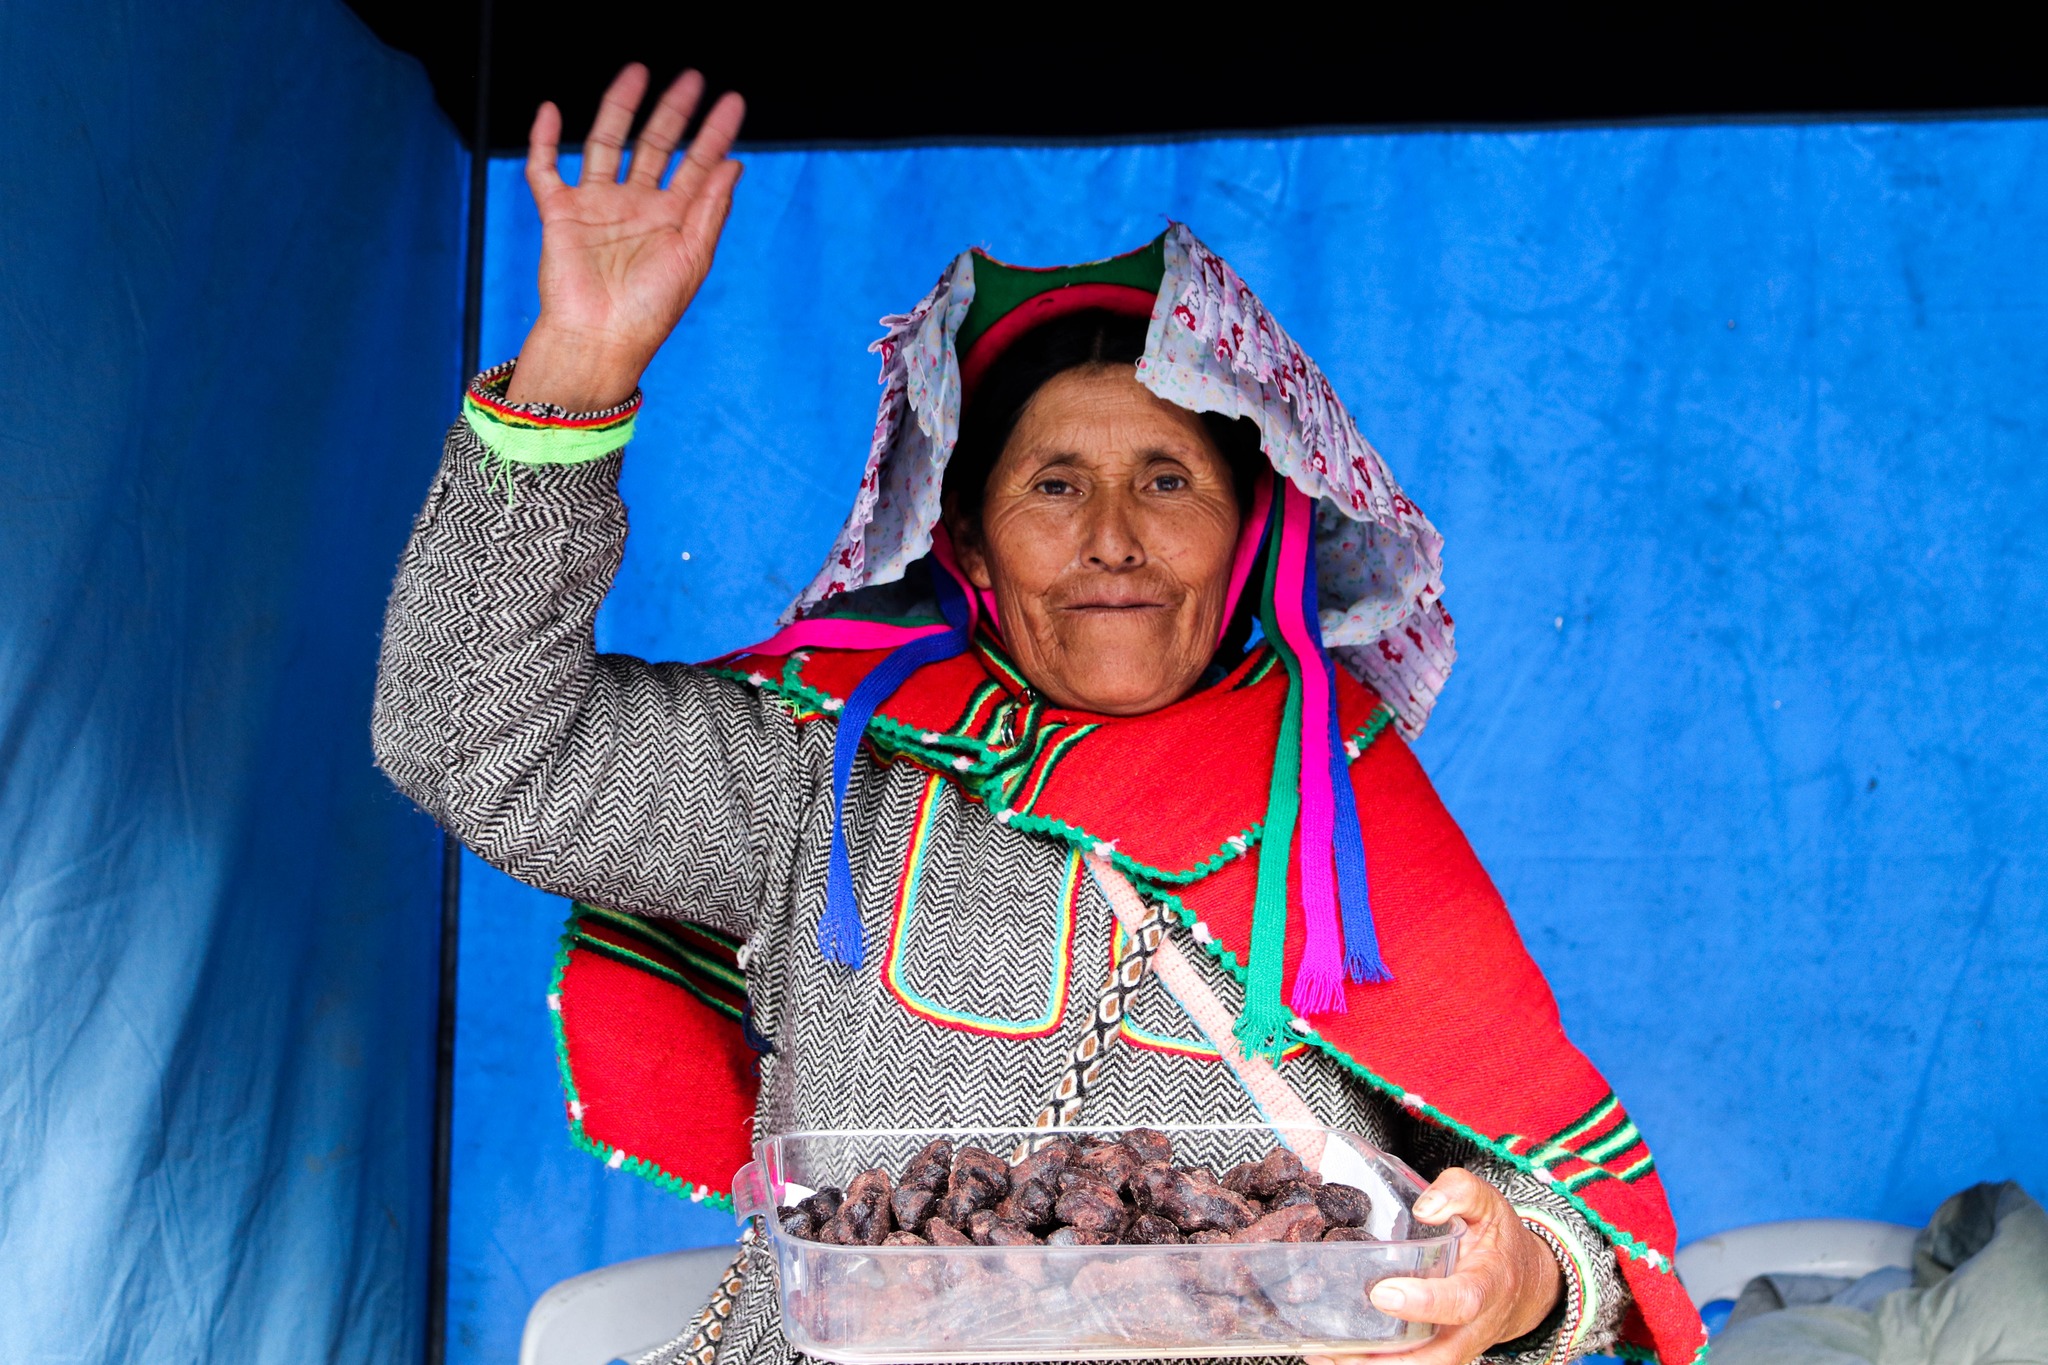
1112, 540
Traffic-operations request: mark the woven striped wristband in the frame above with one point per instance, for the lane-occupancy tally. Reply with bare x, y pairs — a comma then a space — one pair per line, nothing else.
541, 434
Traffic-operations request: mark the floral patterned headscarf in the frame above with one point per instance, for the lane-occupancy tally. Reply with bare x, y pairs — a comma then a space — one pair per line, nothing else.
1211, 347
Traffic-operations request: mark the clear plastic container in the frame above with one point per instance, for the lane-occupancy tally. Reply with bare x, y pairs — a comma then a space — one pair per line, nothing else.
876, 1305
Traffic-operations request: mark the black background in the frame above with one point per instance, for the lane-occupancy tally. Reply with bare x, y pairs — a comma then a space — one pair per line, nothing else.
891, 73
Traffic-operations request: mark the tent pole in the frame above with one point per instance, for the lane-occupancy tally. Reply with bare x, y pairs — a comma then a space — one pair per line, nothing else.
436, 1343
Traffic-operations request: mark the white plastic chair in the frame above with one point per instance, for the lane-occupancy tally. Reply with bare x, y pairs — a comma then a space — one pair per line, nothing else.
1717, 1267
619, 1311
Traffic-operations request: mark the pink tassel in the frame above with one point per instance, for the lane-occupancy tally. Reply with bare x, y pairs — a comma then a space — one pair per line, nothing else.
1319, 983
1251, 544
837, 634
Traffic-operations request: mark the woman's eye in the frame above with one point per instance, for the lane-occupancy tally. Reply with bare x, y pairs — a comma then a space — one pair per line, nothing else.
1170, 483
1054, 487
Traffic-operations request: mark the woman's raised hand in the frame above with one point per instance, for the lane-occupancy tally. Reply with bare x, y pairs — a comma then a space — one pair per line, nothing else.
621, 259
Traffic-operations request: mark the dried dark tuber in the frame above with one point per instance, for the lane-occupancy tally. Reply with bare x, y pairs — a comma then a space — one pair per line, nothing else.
978, 1179
1290, 1195
820, 1207
1346, 1206
1266, 1177
866, 1210
1150, 1144
1149, 1229
1029, 1203
1114, 1164
976, 1169
1089, 1203
1191, 1198
1296, 1223
912, 1207
929, 1168
1004, 1233
943, 1234
1045, 1164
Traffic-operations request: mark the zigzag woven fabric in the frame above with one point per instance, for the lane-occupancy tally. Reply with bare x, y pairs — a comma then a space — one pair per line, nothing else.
667, 791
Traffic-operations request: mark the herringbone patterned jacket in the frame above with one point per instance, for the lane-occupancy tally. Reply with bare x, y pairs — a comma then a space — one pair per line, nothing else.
661, 790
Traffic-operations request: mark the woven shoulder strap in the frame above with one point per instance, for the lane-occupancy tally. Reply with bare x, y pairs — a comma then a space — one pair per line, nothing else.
1262, 1081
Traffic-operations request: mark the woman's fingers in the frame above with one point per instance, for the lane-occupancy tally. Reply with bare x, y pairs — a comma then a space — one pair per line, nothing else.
1460, 1297
607, 139
542, 142
1458, 1193
665, 129
708, 149
705, 218
1451, 1302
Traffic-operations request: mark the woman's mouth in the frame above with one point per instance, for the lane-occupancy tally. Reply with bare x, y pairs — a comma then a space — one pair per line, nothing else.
1112, 607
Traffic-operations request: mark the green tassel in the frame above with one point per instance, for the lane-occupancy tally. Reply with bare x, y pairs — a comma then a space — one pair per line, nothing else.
1262, 1028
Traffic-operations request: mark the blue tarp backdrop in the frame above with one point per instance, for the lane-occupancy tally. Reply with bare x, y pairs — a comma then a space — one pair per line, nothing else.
230, 257
1735, 434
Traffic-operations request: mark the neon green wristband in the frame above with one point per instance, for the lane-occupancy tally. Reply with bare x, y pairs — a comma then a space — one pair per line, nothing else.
517, 437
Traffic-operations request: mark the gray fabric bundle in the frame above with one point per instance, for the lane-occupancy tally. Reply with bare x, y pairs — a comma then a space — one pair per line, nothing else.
1977, 1295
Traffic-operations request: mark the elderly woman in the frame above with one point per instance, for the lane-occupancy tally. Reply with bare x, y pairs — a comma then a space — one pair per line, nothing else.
1109, 672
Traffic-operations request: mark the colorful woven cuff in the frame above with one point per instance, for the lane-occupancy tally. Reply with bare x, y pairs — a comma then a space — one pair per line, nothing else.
1581, 1288
542, 433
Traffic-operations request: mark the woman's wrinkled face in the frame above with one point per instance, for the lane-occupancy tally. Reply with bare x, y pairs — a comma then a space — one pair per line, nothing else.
1107, 531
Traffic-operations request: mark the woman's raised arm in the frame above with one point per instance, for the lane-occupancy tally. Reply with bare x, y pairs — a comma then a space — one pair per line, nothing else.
654, 788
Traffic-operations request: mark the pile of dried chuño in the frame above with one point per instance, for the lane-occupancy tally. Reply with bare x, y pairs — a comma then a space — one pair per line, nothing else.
1092, 1190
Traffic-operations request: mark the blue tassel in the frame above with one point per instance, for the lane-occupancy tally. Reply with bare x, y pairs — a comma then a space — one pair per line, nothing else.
839, 931
1362, 961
